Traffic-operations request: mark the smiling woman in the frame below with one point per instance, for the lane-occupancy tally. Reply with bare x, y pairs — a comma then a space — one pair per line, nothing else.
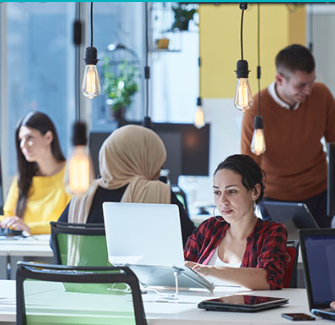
236, 246
37, 195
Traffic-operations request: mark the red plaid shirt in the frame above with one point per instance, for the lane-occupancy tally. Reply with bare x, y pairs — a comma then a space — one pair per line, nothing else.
266, 247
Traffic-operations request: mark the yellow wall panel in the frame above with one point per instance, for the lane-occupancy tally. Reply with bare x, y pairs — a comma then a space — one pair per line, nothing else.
220, 43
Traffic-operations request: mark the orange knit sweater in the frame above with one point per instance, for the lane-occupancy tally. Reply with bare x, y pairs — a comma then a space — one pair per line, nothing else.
294, 161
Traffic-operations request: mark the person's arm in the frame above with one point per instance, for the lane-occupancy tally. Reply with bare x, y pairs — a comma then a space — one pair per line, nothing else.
64, 216
11, 200
187, 226
330, 118
195, 242
10, 220
332, 304
273, 256
251, 277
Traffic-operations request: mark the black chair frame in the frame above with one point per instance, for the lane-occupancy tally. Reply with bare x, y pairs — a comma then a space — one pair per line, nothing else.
60, 273
294, 276
86, 229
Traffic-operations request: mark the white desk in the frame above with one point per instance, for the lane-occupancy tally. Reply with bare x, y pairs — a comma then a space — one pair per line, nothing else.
12, 250
185, 312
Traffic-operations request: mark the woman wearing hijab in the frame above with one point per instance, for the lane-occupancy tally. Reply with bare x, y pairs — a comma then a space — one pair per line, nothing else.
130, 161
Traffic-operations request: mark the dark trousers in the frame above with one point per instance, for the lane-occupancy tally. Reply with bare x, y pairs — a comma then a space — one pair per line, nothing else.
317, 205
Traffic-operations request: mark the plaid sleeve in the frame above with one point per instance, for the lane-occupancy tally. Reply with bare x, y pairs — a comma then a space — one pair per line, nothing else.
194, 243
273, 256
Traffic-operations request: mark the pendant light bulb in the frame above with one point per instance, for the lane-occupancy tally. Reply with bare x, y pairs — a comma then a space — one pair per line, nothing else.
199, 118
79, 169
258, 141
243, 96
91, 83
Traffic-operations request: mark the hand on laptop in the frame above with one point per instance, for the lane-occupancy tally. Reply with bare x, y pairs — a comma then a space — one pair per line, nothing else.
332, 304
202, 269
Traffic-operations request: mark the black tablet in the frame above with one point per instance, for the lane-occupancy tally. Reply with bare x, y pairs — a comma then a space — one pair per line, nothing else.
242, 303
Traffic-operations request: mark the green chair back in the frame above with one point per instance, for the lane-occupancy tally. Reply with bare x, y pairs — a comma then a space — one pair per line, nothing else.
79, 244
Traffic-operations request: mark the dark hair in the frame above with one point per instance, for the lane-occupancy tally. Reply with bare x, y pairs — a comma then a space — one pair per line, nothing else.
245, 166
295, 57
27, 170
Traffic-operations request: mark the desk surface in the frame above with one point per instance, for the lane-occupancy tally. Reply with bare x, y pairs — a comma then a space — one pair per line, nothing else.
26, 246
185, 311
14, 249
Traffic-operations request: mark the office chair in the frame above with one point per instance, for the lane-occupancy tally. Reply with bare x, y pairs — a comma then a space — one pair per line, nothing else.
56, 294
79, 244
181, 196
290, 276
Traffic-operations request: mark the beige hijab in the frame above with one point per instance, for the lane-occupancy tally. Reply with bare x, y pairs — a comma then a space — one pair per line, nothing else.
131, 155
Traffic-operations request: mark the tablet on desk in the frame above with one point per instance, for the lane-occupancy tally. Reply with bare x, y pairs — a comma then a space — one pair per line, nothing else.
242, 303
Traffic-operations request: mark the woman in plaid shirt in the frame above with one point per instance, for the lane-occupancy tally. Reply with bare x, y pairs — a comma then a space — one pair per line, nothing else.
237, 246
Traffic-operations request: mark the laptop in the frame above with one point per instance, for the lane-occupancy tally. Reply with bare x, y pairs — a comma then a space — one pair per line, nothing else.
293, 215
242, 303
318, 256
148, 239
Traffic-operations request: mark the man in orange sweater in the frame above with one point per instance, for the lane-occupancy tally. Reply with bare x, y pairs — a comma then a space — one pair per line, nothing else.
297, 112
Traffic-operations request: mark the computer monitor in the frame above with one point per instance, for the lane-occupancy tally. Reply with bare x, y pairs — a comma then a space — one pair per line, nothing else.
331, 179
187, 148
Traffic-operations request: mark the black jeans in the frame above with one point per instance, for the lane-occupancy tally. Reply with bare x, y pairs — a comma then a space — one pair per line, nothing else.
317, 205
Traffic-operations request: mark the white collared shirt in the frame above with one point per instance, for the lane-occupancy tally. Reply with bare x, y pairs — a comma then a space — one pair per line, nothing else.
273, 94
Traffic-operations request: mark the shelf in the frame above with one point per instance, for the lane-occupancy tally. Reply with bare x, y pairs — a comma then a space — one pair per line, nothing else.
164, 51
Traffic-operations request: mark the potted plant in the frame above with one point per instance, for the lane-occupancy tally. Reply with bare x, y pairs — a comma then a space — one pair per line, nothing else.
183, 14
120, 85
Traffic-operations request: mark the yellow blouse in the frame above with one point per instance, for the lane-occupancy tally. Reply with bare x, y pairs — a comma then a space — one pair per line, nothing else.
46, 201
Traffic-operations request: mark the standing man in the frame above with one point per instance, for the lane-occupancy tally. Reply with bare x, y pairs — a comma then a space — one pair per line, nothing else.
297, 112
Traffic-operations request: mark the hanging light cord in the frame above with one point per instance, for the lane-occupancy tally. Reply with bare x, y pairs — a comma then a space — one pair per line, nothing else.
91, 24
259, 61
77, 62
147, 69
311, 28
242, 16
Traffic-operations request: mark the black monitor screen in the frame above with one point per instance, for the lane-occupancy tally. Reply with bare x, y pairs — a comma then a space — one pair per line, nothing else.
331, 180
187, 149
95, 141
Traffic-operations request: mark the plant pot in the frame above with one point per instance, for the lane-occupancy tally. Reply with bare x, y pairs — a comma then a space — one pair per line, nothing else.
184, 25
162, 43
120, 114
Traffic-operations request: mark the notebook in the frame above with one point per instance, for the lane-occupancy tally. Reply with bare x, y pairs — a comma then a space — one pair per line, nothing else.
293, 215
318, 256
242, 303
148, 239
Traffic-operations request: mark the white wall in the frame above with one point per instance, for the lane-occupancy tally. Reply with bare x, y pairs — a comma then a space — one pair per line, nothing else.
225, 140
322, 37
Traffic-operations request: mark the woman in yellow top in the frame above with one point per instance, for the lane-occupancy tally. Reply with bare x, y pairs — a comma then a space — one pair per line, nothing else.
37, 195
